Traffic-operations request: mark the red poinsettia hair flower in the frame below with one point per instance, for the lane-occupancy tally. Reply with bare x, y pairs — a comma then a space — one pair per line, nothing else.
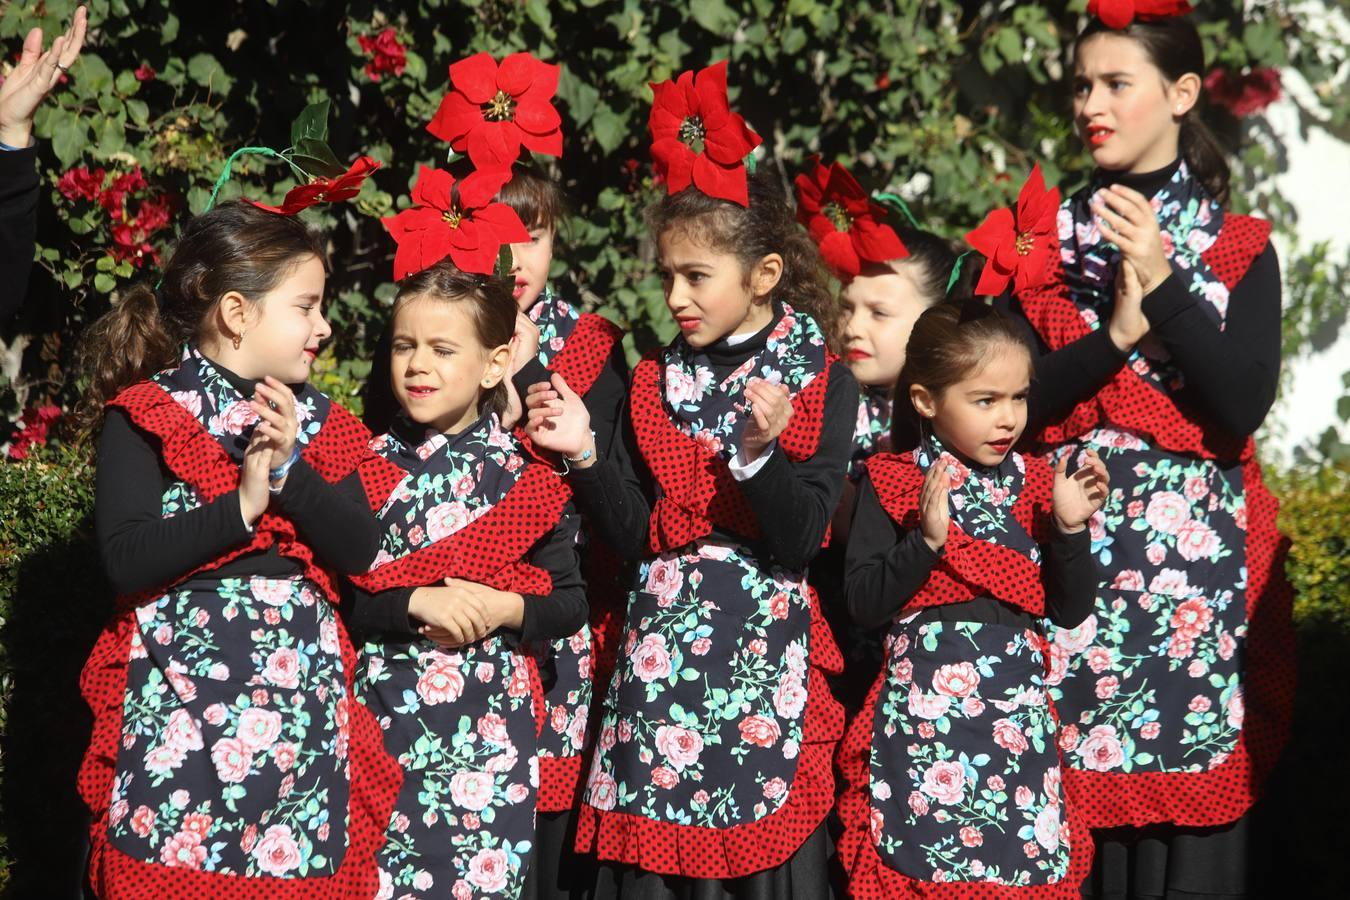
1017, 245
324, 190
697, 139
1119, 14
843, 221
492, 111
455, 219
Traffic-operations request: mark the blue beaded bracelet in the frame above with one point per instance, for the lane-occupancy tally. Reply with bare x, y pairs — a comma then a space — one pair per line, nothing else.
280, 471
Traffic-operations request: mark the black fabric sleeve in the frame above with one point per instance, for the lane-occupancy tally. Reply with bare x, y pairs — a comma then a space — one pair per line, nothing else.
532, 372
563, 610
334, 520
140, 548
1231, 375
884, 567
1065, 377
605, 400
382, 613
610, 493
794, 501
18, 225
1069, 575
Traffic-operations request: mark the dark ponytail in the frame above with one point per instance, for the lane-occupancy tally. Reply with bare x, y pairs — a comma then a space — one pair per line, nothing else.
751, 233
1174, 46
234, 247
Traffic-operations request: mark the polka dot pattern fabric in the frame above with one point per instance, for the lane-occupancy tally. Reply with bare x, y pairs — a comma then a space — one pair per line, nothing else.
192, 455
969, 567
1128, 401
698, 491
1226, 791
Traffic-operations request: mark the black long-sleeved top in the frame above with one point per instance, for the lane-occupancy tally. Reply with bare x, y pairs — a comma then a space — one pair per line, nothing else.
888, 565
558, 614
792, 501
141, 549
1231, 375
604, 401
18, 225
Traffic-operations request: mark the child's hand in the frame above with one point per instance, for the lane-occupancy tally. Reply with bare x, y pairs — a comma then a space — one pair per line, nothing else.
1076, 498
934, 514
770, 411
557, 420
524, 343
253, 495
501, 609
275, 405
511, 415
452, 617
1128, 322
1128, 221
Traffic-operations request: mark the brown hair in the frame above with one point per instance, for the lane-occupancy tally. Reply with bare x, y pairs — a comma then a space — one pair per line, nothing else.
491, 307
1173, 46
931, 260
949, 342
751, 233
234, 247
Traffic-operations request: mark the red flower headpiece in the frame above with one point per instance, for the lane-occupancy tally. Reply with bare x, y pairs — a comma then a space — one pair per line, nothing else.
455, 219
1119, 14
843, 221
1017, 245
492, 111
697, 139
324, 190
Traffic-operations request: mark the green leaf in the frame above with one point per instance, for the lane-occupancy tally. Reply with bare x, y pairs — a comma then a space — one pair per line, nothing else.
580, 97
92, 76
73, 278
539, 14
138, 111
207, 71
311, 124
316, 158
713, 15
104, 283
70, 136
609, 127
126, 83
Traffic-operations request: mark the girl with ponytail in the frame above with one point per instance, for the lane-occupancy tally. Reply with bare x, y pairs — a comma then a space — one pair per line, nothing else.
228, 755
1176, 692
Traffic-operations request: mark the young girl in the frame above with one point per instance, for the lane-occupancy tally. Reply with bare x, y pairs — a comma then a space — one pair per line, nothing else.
953, 776
477, 559
713, 757
552, 335
227, 756
1177, 690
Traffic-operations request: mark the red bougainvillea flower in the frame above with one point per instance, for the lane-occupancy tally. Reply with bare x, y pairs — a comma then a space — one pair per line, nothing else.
1246, 94
80, 183
387, 55
455, 219
131, 236
846, 225
115, 197
324, 190
1119, 14
492, 111
1018, 244
145, 72
35, 422
697, 139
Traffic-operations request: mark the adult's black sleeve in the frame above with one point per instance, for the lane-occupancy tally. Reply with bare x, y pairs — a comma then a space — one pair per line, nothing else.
562, 611
335, 520
1065, 377
794, 501
1069, 575
140, 548
884, 566
1231, 375
18, 225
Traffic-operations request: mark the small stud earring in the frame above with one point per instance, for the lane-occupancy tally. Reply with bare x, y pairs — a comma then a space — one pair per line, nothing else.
238, 339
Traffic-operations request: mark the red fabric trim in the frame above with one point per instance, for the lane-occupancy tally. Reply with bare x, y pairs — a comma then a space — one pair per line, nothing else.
559, 783
970, 567
698, 491
870, 877
1225, 793
1127, 401
375, 778
586, 351
698, 852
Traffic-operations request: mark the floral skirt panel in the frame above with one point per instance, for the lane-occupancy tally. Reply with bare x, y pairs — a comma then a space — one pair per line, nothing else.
1153, 681
565, 672
235, 732
462, 725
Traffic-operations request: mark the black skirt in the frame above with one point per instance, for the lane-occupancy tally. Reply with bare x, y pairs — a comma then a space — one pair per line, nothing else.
1171, 863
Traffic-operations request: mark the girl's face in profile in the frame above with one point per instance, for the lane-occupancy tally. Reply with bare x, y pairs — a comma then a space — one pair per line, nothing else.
880, 307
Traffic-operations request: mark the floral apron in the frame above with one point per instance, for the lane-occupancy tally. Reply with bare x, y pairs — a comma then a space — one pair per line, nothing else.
237, 746
576, 346
1155, 687
954, 776
462, 723
713, 752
